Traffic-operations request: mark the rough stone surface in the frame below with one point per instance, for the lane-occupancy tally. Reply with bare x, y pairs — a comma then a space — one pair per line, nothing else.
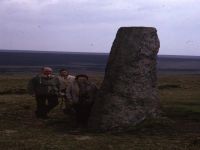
128, 94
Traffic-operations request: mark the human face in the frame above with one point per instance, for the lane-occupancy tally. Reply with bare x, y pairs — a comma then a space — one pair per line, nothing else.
64, 73
47, 72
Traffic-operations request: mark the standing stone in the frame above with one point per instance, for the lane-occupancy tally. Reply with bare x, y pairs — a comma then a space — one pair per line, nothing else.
128, 94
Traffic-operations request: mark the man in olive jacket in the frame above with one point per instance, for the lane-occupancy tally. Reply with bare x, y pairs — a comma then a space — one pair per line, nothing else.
45, 88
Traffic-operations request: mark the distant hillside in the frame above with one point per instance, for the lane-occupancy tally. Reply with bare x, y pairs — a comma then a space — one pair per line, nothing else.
179, 63
25, 61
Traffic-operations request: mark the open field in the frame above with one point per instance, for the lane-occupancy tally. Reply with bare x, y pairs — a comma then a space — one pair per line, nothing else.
178, 129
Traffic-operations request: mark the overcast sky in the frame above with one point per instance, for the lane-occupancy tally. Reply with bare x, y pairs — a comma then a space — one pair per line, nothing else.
91, 25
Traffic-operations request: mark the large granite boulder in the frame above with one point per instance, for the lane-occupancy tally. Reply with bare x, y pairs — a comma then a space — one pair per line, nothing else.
128, 94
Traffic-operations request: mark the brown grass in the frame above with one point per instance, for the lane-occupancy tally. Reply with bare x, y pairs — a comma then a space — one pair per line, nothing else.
178, 129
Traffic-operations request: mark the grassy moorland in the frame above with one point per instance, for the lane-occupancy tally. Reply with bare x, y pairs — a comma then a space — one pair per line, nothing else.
178, 129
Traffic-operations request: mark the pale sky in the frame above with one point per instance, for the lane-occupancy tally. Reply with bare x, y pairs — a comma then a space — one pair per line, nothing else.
91, 25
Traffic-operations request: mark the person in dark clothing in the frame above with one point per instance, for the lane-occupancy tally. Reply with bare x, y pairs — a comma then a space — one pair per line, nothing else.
45, 88
80, 93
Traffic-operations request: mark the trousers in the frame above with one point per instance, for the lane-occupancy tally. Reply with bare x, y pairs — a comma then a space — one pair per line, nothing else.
44, 104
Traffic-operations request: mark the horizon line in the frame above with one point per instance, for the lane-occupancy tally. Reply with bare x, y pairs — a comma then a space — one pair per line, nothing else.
70, 52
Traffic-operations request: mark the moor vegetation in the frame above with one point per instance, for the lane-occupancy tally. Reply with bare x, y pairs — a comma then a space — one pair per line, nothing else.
177, 129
